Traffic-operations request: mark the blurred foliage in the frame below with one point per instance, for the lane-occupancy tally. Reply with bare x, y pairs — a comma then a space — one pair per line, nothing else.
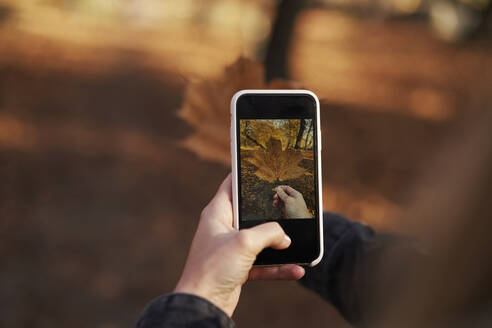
254, 133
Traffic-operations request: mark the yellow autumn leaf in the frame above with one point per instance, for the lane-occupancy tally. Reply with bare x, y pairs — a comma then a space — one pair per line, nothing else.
275, 164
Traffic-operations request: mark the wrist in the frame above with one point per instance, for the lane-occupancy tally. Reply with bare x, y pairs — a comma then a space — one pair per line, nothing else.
203, 290
190, 286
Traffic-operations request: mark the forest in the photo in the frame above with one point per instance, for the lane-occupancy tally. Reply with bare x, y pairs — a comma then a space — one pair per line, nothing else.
275, 152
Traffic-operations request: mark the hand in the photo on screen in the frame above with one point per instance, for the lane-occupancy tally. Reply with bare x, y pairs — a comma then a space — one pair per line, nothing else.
291, 203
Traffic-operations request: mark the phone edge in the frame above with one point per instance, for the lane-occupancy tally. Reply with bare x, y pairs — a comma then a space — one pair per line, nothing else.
235, 200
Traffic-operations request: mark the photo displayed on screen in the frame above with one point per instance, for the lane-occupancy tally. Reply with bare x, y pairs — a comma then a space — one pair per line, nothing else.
277, 169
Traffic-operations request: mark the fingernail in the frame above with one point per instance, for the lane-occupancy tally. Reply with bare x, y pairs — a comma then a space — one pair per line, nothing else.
287, 240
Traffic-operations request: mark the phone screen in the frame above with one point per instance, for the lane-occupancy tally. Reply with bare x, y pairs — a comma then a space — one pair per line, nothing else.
278, 172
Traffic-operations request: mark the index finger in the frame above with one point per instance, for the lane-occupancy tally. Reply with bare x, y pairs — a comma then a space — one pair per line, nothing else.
284, 272
220, 207
282, 194
291, 191
225, 190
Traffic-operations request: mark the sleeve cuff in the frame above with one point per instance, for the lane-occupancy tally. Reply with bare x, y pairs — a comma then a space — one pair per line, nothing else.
183, 310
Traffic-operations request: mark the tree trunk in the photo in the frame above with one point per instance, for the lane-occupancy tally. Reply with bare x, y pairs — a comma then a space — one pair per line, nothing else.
253, 140
302, 127
277, 53
307, 135
250, 138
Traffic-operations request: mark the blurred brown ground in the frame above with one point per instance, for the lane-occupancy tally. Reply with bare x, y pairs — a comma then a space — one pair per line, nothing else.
99, 199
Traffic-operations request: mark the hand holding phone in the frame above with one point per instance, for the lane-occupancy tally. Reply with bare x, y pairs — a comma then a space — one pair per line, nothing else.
221, 257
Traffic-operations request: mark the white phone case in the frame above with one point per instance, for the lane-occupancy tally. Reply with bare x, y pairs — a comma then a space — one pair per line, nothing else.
235, 177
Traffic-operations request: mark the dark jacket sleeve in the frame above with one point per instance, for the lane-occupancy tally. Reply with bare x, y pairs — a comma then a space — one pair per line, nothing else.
352, 275
183, 311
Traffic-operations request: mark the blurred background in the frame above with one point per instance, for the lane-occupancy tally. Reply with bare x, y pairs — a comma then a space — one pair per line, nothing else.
114, 134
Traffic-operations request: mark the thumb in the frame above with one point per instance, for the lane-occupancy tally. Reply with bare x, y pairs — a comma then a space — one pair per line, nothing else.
264, 235
282, 194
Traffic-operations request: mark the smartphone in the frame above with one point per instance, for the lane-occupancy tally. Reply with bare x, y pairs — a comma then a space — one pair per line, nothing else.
276, 170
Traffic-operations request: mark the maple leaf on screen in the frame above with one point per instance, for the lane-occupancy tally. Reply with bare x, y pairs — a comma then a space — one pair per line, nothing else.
276, 164
206, 107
